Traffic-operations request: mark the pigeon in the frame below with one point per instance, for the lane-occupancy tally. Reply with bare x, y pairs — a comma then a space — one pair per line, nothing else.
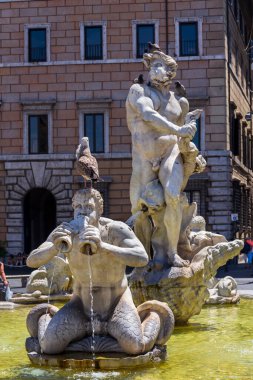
86, 164
153, 47
180, 89
139, 80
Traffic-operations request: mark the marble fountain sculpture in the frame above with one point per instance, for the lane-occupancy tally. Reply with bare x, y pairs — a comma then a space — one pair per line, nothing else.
101, 316
181, 261
52, 281
223, 291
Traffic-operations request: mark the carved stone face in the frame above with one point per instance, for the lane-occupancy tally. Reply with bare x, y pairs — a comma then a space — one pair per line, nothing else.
85, 207
160, 73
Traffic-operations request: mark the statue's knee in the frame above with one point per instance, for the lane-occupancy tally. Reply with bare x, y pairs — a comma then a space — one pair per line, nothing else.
134, 347
50, 347
172, 199
50, 344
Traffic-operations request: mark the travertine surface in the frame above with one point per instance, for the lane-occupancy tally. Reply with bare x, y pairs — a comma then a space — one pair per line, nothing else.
101, 314
184, 289
223, 291
163, 158
54, 277
183, 256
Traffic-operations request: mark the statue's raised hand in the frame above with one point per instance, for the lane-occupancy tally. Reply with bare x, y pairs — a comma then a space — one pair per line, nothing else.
61, 237
90, 237
188, 130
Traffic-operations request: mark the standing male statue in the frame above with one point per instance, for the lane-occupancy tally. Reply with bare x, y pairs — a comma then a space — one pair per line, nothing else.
163, 156
98, 250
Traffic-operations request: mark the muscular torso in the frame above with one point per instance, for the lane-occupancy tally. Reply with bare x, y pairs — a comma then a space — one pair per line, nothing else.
103, 271
149, 140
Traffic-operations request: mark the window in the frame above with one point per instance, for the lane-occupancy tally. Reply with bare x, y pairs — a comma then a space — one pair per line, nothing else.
37, 45
37, 134
235, 9
144, 33
197, 136
194, 196
93, 42
188, 37
94, 130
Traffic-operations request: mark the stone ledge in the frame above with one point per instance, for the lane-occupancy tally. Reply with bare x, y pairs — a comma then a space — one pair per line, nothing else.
105, 361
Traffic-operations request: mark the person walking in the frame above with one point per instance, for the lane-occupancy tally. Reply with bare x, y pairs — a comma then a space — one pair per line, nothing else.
2, 274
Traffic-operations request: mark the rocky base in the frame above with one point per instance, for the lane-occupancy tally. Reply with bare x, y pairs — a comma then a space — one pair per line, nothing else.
80, 360
184, 289
7, 305
219, 300
27, 299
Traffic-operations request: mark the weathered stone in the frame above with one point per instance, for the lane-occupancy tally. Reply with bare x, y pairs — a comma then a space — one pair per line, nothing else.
38, 169
91, 244
79, 360
184, 289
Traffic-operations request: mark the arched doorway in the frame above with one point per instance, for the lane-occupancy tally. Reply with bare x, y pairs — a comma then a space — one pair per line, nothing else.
39, 211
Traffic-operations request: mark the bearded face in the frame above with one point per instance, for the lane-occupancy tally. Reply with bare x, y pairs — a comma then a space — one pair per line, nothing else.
161, 74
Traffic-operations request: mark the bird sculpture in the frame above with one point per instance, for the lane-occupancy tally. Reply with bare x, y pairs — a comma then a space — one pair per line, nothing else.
180, 89
86, 164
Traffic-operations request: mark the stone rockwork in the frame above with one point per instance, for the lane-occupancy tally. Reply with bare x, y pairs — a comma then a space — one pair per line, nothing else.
182, 258
222, 291
101, 316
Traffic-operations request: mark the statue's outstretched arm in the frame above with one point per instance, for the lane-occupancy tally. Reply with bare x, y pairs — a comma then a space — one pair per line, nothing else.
144, 106
51, 247
41, 255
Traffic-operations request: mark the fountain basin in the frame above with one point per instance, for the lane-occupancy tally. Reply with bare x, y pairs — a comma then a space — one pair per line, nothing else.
216, 344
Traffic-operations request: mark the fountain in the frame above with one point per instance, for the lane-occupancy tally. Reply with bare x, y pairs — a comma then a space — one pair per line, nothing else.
180, 262
101, 316
100, 327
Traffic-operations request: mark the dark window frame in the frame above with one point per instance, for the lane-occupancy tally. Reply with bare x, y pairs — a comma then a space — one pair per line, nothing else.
46, 142
197, 137
30, 55
90, 57
196, 47
139, 53
94, 114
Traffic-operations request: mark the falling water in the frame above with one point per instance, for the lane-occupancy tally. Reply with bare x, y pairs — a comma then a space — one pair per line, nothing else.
89, 253
91, 310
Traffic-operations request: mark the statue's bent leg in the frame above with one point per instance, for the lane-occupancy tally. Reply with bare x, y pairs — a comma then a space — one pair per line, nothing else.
171, 176
67, 325
142, 174
125, 325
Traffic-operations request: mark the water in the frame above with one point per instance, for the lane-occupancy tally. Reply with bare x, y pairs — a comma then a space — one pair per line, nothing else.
216, 345
91, 311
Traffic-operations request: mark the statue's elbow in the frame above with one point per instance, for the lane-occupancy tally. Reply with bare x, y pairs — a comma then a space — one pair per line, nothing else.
148, 115
32, 262
143, 259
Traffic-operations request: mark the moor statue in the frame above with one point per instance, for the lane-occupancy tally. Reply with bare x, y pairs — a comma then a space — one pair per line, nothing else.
163, 159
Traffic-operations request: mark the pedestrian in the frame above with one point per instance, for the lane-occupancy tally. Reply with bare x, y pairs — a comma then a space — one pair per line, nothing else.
2, 274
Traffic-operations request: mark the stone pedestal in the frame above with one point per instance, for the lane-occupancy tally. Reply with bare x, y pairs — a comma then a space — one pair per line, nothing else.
80, 360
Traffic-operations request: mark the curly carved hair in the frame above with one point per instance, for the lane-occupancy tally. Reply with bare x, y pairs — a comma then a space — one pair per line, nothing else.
84, 194
149, 57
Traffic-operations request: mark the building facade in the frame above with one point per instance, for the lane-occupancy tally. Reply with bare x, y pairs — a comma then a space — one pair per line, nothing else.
65, 70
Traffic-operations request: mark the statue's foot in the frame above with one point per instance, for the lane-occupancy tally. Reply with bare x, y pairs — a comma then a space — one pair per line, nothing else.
177, 261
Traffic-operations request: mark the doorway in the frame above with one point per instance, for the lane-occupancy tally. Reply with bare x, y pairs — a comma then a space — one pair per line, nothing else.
39, 211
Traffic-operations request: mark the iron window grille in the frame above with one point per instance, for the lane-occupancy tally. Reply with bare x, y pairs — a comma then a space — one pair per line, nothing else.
93, 42
94, 130
188, 37
38, 134
145, 33
37, 51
